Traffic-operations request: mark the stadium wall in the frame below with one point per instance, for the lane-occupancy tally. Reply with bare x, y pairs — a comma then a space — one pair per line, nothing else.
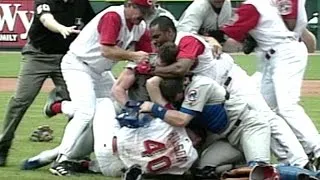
16, 17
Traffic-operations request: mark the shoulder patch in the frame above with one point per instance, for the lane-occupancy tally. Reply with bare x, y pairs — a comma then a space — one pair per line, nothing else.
192, 95
43, 8
284, 6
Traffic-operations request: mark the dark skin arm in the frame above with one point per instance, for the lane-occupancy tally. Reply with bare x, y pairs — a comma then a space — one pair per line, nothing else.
177, 69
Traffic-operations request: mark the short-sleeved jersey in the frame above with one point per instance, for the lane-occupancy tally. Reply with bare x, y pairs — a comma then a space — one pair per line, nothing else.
86, 47
288, 7
158, 148
206, 97
201, 15
270, 29
65, 13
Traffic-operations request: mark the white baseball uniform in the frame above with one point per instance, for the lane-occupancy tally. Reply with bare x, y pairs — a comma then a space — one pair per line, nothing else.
159, 11
241, 85
159, 148
284, 60
84, 70
201, 15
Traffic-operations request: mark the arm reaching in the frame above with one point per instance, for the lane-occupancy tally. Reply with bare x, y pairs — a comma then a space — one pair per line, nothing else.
123, 83
49, 22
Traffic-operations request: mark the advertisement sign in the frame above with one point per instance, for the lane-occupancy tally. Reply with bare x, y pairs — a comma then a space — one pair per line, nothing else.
16, 17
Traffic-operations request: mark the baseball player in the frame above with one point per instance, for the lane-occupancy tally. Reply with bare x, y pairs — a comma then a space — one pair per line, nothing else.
101, 44
194, 55
284, 60
50, 35
205, 17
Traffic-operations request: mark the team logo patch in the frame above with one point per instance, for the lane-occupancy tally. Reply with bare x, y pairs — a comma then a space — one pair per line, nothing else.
43, 8
284, 6
192, 95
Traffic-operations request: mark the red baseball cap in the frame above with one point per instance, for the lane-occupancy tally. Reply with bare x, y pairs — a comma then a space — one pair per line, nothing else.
145, 3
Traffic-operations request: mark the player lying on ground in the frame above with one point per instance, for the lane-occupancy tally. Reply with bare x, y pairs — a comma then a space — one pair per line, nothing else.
195, 55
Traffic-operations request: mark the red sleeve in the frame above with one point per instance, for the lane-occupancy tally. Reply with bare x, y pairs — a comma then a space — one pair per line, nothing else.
247, 19
289, 9
109, 28
190, 48
144, 44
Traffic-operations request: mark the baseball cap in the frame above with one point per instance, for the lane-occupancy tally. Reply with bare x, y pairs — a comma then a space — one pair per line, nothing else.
145, 6
145, 3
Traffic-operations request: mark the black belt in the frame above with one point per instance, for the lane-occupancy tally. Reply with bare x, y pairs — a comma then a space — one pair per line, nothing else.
226, 84
236, 124
269, 53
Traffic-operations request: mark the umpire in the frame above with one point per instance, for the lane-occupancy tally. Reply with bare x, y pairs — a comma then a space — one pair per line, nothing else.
52, 31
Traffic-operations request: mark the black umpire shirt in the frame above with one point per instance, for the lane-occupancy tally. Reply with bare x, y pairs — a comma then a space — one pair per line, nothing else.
64, 13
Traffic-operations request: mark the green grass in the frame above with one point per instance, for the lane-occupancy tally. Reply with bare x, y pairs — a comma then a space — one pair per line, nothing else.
10, 63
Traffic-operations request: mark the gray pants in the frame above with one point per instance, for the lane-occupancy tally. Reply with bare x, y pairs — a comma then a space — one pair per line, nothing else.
35, 68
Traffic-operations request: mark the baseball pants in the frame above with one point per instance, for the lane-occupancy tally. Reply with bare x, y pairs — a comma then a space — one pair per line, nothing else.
84, 86
281, 85
36, 67
284, 144
221, 155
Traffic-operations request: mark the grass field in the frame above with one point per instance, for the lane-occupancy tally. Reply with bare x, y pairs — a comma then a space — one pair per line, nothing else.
23, 148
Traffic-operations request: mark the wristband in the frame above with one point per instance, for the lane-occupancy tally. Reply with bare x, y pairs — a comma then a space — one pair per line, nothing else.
158, 111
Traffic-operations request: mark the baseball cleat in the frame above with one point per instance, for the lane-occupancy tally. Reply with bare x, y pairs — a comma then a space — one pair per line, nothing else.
133, 173
60, 169
33, 164
54, 97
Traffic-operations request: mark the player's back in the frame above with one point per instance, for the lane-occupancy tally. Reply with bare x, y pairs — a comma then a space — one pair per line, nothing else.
158, 148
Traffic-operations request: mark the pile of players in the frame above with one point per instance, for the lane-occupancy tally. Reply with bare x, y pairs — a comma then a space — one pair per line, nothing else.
192, 109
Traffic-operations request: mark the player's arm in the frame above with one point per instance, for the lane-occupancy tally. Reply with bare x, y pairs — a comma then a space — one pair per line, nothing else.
247, 19
122, 84
109, 27
192, 18
189, 49
172, 117
43, 12
154, 92
289, 13
310, 40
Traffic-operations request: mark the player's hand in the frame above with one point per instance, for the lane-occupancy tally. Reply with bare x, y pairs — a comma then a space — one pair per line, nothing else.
216, 46
139, 56
66, 31
146, 107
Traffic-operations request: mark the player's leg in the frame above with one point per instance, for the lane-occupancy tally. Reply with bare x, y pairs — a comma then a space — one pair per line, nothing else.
105, 127
31, 77
287, 69
220, 156
81, 90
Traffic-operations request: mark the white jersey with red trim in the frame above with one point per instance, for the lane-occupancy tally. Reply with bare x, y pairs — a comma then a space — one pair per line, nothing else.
270, 30
206, 64
86, 47
286, 7
159, 148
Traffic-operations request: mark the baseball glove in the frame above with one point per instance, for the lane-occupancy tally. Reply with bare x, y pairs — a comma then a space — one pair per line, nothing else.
42, 134
249, 44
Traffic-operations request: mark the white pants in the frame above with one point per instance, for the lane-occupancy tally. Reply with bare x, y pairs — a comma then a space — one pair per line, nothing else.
281, 86
84, 86
105, 127
283, 142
